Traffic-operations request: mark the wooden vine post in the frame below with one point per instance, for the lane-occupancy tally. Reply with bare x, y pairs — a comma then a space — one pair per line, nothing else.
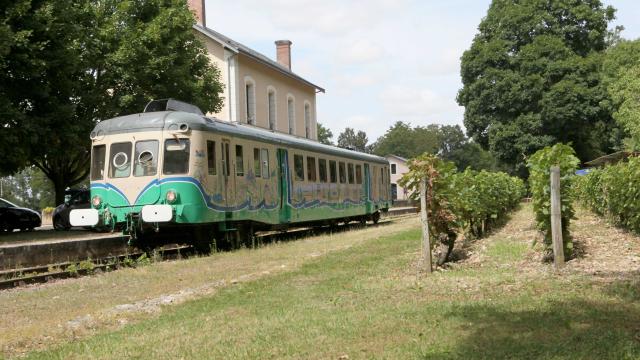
426, 246
556, 219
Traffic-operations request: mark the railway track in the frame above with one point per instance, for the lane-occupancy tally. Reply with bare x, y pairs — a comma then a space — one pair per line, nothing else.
18, 277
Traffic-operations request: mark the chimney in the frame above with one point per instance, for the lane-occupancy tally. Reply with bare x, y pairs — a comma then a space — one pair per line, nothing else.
283, 53
197, 8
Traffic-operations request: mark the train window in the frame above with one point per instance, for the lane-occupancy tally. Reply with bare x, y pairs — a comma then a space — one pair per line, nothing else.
322, 170
239, 161
343, 172
97, 162
350, 171
176, 156
298, 167
211, 157
333, 174
120, 160
257, 166
358, 174
145, 158
264, 158
311, 169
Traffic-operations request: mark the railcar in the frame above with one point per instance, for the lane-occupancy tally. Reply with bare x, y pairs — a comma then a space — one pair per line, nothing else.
172, 169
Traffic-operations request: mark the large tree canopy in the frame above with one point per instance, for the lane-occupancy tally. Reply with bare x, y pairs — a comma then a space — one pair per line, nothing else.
66, 64
621, 69
349, 139
531, 78
446, 141
324, 134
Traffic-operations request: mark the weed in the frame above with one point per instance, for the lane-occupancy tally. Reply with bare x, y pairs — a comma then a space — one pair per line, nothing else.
86, 265
143, 260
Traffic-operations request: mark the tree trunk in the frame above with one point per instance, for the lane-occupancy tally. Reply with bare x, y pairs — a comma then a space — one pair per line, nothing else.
59, 186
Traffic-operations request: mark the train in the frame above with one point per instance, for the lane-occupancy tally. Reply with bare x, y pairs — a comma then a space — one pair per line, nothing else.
171, 169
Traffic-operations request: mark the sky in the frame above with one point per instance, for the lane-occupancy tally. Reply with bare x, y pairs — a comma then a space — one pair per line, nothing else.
380, 61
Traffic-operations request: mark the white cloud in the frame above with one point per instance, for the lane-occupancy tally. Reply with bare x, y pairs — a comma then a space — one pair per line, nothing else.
360, 51
409, 101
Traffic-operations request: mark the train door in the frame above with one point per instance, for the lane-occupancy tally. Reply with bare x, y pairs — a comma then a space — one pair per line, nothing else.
227, 173
283, 185
367, 183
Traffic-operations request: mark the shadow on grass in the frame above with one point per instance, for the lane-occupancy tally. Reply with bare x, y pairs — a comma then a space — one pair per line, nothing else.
573, 329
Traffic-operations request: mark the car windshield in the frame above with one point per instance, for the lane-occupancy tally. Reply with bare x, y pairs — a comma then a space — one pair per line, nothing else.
5, 204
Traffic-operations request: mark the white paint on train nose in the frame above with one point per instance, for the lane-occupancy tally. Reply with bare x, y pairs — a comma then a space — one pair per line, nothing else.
83, 217
157, 213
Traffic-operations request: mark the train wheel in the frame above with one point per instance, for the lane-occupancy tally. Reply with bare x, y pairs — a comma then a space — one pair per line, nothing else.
205, 240
59, 225
375, 217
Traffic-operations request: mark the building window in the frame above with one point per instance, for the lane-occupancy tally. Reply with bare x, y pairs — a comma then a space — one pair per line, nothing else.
271, 104
393, 168
307, 120
291, 114
239, 161
250, 97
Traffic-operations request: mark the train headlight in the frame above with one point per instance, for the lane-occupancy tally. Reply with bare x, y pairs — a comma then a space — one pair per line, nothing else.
96, 201
172, 196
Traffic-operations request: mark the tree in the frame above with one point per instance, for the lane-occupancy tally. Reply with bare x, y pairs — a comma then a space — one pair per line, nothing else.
403, 140
621, 72
349, 139
324, 134
67, 64
531, 78
29, 188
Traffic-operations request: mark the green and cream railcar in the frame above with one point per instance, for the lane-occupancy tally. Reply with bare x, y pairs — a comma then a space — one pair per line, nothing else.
174, 169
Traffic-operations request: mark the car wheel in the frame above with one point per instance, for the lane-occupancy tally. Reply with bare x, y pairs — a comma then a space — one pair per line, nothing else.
6, 226
59, 225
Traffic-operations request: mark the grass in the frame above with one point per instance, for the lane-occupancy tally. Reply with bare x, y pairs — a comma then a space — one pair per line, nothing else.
365, 301
43, 316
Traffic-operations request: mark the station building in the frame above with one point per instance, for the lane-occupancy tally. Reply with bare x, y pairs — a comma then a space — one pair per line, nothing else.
258, 90
397, 168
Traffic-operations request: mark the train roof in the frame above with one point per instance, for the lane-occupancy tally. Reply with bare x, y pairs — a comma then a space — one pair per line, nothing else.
171, 120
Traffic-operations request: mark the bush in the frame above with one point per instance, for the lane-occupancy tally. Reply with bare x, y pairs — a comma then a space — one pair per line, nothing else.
539, 164
613, 192
470, 200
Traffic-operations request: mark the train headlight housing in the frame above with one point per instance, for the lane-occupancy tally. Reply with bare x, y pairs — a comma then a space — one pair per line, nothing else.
96, 201
171, 196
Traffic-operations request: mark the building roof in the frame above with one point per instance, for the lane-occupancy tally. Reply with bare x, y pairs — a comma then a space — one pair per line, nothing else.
397, 157
611, 158
172, 120
243, 49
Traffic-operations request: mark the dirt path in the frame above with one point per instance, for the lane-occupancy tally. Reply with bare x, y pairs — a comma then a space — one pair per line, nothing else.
605, 251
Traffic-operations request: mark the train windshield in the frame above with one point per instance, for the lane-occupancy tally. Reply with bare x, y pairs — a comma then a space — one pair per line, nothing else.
176, 156
97, 162
120, 160
145, 157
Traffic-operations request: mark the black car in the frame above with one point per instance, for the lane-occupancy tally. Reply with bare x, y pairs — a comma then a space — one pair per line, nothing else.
77, 200
14, 217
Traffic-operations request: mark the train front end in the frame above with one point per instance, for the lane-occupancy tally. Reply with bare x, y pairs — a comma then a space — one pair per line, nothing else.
137, 163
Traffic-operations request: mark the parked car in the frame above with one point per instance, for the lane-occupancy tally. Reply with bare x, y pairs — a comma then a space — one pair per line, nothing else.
78, 199
14, 217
